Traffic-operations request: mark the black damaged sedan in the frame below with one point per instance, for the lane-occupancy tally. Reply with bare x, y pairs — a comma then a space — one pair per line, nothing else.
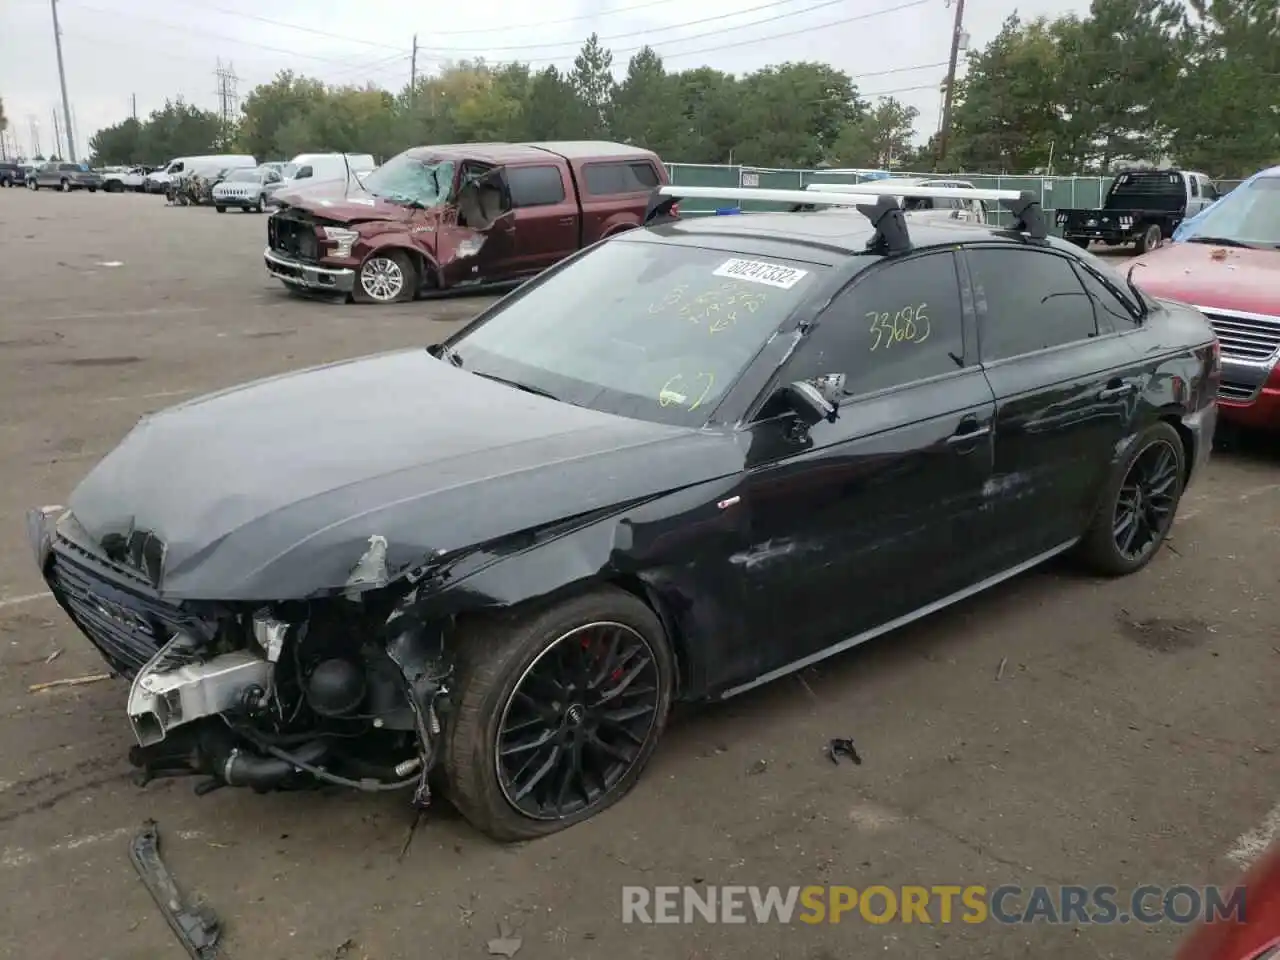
684, 462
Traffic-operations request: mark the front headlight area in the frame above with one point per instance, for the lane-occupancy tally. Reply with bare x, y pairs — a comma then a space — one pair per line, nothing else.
340, 240
329, 690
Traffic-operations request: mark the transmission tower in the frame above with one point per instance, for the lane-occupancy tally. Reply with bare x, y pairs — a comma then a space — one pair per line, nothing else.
228, 95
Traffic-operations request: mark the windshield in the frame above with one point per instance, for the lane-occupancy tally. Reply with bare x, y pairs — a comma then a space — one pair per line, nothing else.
405, 179
243, 176
1249, 214
290, 170
648, 330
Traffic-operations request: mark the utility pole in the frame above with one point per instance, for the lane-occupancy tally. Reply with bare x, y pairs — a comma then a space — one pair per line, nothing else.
35, 135
62, 79
956, 34
57, 135
134, 106
228, 97
413, 72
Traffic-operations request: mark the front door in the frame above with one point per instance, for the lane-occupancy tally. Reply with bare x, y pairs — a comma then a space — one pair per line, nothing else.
858, 522
1067, 388
474, 239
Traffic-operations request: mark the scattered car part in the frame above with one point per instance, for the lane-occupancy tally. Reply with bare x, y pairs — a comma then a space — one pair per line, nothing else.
843, 747
197, 927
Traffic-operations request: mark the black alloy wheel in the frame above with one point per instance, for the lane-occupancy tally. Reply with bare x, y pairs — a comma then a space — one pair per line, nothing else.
1137, 509
554, 713
576, 721
1148, 497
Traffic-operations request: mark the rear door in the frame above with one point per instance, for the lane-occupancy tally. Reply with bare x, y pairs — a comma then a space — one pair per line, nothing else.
1067, 382
546, 215
861, 521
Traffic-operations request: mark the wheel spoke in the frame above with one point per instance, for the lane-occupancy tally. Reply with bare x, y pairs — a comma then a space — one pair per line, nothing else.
577, 721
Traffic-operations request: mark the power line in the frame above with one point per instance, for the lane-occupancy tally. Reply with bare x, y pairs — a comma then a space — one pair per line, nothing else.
674, 26
442, 33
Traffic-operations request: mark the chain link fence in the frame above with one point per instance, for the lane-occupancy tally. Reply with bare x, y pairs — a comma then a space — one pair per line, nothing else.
1054, 192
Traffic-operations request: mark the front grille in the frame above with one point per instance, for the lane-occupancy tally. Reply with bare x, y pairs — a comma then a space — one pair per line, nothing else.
293, 238
1239, 392
127, 628
1246, 338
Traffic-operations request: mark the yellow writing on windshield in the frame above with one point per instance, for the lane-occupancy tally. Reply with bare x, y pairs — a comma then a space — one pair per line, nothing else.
718, 308
670, 394
906, 325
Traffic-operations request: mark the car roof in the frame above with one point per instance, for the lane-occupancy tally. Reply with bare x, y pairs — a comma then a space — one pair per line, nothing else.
499, 152
815, 236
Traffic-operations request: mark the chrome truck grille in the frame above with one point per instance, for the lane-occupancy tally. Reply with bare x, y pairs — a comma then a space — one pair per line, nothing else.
1245, 336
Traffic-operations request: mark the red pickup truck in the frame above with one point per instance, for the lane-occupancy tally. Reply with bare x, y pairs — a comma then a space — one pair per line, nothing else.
442, 217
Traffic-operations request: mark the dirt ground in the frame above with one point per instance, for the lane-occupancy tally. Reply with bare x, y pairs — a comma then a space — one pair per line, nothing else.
1059, 730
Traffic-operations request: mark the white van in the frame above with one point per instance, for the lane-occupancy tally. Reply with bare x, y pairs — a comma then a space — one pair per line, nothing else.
325, 166
156, 182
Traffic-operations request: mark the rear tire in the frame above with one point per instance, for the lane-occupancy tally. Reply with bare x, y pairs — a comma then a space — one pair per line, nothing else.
66, 186
385, 278
220, 209
496, 669
1138, 505
1150, 239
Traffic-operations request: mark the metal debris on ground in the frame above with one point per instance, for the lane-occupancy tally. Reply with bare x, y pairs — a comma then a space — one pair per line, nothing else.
195, 926
1004, 662
53, 656
842, 746
69, 682
506, 943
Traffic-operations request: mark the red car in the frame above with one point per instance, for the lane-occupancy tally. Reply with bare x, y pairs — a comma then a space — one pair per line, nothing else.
1226, 263
1257, 935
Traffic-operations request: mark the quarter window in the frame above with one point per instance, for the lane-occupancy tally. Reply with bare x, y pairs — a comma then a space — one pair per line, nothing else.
898, 323
1028, 301
1114, 311
606, 179
535, 186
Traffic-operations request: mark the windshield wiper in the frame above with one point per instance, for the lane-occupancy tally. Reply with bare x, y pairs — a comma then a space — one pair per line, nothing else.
1220, 241
536, 391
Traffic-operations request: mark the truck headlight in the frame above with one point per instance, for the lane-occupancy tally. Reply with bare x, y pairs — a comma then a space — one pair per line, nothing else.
342, 239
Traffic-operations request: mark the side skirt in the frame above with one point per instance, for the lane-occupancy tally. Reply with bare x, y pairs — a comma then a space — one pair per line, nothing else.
901, 621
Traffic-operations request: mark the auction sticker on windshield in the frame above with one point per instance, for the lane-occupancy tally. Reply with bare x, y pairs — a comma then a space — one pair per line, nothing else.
759, 271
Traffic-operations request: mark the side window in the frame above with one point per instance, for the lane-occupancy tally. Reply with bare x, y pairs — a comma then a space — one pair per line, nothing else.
1210, 191
606, 179
898, 323
918, 203
535, 186
1114, 310
1028, 301
1195, 186
273, 176
303, 173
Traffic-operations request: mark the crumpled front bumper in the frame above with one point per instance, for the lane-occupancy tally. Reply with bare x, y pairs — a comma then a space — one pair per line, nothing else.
308, 276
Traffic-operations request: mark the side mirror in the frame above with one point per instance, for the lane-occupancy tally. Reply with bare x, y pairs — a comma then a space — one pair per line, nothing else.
815, 401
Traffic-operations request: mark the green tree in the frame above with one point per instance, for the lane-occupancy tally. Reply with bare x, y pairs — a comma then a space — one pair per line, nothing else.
646, 107
4, 120
179, 129
270, 106
553, 110
791, 115
882, 138
120, 143
707, 104
592, 80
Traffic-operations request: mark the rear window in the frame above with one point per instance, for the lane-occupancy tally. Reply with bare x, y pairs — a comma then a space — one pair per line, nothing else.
606, 179
535, 186
1147, 191
642, 329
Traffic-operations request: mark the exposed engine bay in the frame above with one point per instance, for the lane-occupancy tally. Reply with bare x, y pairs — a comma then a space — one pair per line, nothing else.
289, 698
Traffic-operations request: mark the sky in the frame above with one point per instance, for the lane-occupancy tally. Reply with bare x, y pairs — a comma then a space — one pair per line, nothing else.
116, 50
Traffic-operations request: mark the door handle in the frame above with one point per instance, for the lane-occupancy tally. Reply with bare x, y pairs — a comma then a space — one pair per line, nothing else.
568, 221
960, 437
1126, 389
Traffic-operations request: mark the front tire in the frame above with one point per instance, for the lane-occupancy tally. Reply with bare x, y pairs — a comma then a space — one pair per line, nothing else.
220, 208
385, 278
556, 713
1139, 504
1150, 239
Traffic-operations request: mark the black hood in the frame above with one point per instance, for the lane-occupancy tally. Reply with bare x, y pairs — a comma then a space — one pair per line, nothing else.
272, 490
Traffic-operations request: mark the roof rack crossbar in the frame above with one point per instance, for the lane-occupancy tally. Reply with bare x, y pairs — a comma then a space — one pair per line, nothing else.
886, 215
1028, 215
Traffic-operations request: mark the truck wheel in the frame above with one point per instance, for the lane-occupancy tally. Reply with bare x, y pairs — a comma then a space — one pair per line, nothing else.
1138, 506
220, 208
555, 713
32, 185
66, 186
1149, 240
257, 207
385, 278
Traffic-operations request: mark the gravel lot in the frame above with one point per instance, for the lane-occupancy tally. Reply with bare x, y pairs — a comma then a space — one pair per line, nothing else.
1128, 738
